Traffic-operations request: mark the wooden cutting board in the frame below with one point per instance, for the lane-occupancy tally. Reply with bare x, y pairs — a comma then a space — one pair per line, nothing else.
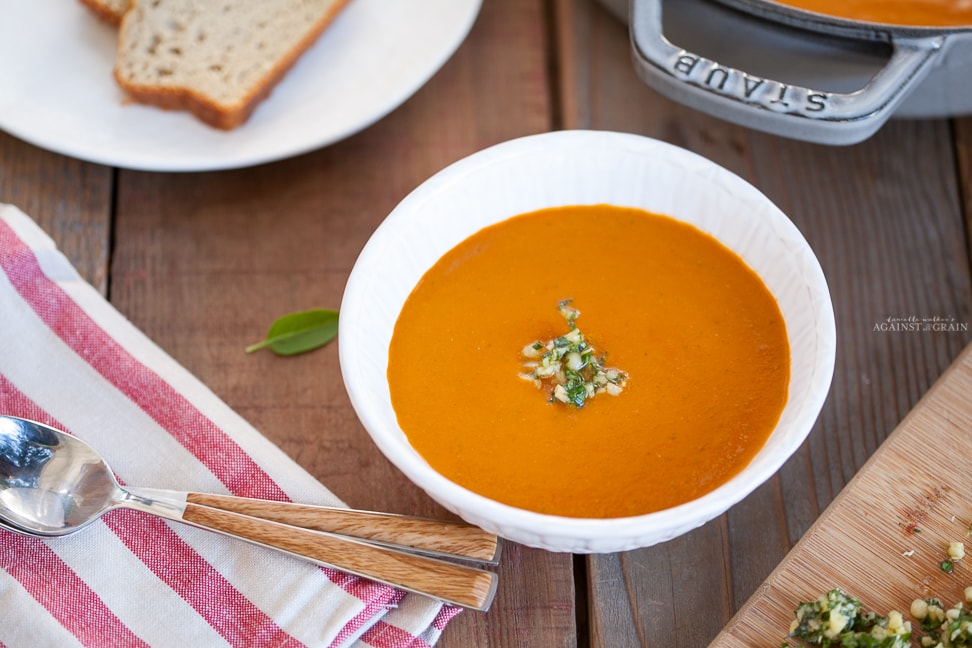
884, 536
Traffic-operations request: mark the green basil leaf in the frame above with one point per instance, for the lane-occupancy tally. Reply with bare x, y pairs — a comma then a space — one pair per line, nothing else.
300, 332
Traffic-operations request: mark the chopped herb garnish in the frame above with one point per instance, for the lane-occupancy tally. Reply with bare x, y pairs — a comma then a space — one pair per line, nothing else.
955, 550
568, 365
837, 619
945, 628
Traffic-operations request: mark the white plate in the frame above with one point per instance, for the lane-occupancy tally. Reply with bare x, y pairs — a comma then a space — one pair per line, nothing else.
57, 90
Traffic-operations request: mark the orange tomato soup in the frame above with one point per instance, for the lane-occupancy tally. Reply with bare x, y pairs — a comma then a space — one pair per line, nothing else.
915, 13
698, 333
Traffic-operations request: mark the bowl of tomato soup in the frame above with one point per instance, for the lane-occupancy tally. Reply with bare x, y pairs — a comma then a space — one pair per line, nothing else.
587, 341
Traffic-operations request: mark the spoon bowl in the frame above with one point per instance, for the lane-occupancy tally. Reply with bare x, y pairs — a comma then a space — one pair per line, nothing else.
53, 484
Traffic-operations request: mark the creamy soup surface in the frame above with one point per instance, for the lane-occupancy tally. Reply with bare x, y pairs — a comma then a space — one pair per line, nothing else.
915, 13
698, 334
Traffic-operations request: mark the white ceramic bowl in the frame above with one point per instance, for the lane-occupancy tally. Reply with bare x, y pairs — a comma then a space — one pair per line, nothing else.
572, 168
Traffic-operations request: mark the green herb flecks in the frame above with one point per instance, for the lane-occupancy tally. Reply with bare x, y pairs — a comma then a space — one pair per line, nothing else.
569, 366
299, 332
837, 619
950, 628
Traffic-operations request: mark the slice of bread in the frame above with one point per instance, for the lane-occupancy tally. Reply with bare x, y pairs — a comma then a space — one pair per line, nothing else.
215, 58
110, 11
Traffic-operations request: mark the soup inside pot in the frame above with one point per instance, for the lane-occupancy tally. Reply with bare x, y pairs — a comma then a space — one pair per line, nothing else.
914, 13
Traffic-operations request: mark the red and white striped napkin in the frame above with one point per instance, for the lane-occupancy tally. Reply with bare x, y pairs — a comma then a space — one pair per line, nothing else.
67, 358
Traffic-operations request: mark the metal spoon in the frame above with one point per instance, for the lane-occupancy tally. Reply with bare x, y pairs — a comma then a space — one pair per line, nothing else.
53, 484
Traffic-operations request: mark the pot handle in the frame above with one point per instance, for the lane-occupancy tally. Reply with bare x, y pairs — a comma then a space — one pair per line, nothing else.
773, 106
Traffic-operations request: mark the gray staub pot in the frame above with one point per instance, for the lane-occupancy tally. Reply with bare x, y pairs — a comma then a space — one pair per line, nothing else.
793, 73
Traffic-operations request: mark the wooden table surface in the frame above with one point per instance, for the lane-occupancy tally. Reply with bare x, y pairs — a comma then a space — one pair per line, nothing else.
203, 262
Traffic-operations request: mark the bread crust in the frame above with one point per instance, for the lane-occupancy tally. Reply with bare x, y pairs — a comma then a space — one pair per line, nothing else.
207, 110
106, 13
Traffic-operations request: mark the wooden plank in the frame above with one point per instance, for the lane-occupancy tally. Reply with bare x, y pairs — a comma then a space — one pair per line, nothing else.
963, 156
69, 199
889, 235
205, 262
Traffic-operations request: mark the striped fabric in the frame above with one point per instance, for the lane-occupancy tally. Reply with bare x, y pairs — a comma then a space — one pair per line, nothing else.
67, 358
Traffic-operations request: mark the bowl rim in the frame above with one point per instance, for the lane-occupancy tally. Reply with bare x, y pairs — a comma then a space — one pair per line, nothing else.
572, 533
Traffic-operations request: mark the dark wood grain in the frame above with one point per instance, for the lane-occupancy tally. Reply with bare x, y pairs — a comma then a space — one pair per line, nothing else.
864, 542
69, 199
203, 263
963, 157
885, 219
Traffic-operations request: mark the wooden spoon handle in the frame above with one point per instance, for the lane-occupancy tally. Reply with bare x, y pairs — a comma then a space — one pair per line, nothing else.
438, 536
458, 584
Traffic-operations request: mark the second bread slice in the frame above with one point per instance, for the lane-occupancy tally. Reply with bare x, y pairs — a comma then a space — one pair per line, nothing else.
215, 58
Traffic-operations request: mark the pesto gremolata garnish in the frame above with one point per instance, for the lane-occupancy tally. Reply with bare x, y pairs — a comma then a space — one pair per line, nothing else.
836, 619
569, 366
